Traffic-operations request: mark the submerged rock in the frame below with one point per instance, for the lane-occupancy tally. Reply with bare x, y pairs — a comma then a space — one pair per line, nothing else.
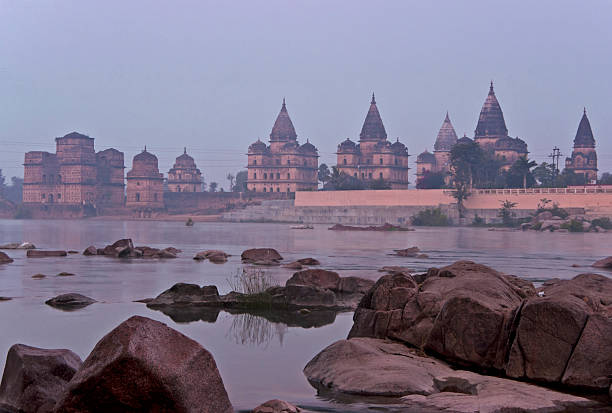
34, 377
215, 256
145, 366
276, 406
70, 301
293, 266
374, 367
603, 263
260, 254
308, 261
18, 246
408, 252
5, 259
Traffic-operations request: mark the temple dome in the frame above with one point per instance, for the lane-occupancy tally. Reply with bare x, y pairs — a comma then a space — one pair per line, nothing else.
283, 129
426, 157
584, 135
308, 147
185, 160
399, 148
446, 136
491, 123
347, 146
511, 144
464, 139
373, 128
257, 147
145, 157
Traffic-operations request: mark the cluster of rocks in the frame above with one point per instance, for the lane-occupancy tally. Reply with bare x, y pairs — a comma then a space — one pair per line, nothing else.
215, 256
307, 289
142, 365
473, 316
413, 252
546, 221
18, 246
385, 227
124, 248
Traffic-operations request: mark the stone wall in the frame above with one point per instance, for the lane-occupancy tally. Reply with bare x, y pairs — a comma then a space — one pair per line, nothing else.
215, 202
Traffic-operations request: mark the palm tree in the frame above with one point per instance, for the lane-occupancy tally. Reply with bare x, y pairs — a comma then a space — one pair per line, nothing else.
523, 167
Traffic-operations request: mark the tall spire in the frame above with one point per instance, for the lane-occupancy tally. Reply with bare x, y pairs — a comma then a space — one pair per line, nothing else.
491, 123
283, 129
373, 128
447, 136
185, 150
584, 135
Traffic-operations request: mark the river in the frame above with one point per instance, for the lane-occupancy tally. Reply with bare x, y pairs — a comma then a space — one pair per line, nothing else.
258, 359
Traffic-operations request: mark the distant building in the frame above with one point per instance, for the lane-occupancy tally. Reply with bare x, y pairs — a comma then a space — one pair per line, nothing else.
439, 161
284, 165
184, 175
374, 157
492, 135
74, 175
584, 157
145, 185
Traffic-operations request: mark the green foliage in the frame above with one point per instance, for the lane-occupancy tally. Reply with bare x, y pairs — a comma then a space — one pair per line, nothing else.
478, 221
241, 182
379, 184
506, 213
340, 181
431, 180
606, 179
433, 217
212, 187
555, 210
323, 174
545, 174
573, 226
604, 222
519, 175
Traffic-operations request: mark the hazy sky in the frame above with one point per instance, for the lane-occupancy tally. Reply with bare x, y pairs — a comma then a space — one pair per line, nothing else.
211, 75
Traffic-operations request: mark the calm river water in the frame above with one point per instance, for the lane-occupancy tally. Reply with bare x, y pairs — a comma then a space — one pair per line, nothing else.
258, 359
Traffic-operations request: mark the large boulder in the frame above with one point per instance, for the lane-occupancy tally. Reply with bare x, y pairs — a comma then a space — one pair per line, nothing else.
123, 243
375, 367
5, 259
316, 278
462, 312
70, 301
603, 263
91, 250
145, 366
214, 256
34, 378
186, 294
261, 255
563, 333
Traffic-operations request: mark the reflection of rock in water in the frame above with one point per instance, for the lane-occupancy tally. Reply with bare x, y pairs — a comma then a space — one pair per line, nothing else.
254, 330
188, 314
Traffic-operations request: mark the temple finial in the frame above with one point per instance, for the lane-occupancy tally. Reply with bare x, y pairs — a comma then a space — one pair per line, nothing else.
585, 110
145, 149
283, 102
185, 150
373, 102
491, 87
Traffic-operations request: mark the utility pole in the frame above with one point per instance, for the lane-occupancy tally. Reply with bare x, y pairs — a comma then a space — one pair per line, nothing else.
555, 155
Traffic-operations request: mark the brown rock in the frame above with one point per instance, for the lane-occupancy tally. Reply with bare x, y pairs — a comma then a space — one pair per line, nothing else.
308, 261
123, 243
42, 254
603, 263
65, 274
260, 254
373, 367
5, 259
354, 285
145, 366
317, 278
408, 252
462, 312
549, 329
34, 377
393, 269
71, 301
91, 250
276, 406
215, 256
182, 294
293, 265
38, 276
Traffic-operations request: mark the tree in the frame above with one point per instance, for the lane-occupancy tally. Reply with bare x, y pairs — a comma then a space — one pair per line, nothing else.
379, 184
323, 174
606, 179
341, 181
506, 213
241, 182
14, 192
431, 180
545, 174
2, 184
212, 187
465, 158
521, 169
231, 178
570, 178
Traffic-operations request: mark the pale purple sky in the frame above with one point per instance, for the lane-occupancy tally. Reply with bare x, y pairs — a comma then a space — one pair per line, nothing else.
211, 75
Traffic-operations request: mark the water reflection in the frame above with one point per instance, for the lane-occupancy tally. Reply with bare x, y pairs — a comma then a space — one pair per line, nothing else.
253, 326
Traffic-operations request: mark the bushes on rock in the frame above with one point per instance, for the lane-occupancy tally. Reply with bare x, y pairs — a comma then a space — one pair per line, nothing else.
433, 217
573, 226
604, 223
